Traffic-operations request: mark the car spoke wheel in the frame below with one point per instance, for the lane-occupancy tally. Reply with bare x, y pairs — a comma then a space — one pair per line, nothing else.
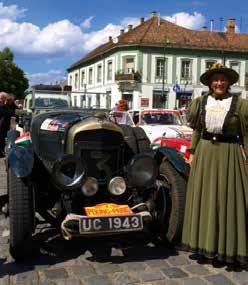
170, 203
21, 216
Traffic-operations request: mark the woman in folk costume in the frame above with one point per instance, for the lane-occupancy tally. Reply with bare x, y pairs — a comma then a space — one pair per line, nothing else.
216, 210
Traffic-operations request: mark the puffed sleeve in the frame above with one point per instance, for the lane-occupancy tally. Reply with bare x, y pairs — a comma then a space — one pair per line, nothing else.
194, 113
243, 114
195, 122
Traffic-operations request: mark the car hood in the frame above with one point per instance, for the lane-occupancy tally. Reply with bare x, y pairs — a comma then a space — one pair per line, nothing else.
168, 131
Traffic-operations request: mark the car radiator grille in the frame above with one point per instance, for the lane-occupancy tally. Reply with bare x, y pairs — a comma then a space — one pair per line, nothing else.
102, 151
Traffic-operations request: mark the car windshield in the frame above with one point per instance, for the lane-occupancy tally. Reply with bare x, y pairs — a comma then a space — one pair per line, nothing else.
51, 102
161, 119
121, 118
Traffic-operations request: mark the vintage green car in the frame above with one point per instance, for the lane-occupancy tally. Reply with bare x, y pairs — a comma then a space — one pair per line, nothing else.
90, 176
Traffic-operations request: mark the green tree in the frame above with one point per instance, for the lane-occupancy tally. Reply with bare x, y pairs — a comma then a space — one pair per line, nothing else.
12, 78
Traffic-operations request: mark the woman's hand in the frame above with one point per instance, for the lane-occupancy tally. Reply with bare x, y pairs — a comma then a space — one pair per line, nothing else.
191, 156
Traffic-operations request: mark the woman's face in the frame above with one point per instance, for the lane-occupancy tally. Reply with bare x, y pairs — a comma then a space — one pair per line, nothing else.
219, 84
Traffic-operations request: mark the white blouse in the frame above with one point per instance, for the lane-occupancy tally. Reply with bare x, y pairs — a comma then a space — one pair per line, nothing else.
216, 111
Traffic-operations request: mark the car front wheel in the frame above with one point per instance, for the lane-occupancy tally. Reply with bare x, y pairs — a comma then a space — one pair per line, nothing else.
21, 216
170, 203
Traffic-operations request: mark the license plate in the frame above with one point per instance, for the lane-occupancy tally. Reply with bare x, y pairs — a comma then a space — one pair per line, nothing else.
110, 224
108, 209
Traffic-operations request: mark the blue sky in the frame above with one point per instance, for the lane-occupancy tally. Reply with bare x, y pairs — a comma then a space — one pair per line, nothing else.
47, 36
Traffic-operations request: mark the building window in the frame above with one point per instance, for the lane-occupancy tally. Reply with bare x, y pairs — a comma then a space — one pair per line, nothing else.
90, 76
89, 101
99, 73
97, 100
209, 63
70, 81
160, 65
159, 100
128, 65
82, 78
110, 70
75, 101
76, 80
186, 69
108, 99
82, 101
235, 66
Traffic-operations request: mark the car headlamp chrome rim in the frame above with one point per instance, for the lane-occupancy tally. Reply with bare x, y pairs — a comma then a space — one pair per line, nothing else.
90, 187
117, 186
69, 171
142, 171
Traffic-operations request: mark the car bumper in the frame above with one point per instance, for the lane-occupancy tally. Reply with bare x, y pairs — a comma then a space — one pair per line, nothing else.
72, 226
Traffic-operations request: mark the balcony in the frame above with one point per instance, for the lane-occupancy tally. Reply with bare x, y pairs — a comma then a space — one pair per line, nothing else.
122, 76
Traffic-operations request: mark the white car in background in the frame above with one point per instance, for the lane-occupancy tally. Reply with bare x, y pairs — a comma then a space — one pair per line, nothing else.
160, 123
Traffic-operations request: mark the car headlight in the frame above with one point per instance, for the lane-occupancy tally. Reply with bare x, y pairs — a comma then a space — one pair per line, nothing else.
90, 187
142, 171
68, 172
117, 186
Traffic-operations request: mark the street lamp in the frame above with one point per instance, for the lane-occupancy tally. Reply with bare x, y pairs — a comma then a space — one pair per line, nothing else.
166, 42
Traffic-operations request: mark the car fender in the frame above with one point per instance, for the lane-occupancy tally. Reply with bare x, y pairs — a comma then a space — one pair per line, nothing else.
174, 157
21, 160
11, 137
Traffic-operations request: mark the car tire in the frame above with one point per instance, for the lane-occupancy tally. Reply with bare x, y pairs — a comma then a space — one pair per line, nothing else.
21, 216
143, 143
130, 139
171, 200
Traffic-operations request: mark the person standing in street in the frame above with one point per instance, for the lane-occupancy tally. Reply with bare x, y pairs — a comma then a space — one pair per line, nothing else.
216, 210
7, 110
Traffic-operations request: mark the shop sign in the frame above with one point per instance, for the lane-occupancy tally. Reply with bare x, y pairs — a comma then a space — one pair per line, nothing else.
144, 102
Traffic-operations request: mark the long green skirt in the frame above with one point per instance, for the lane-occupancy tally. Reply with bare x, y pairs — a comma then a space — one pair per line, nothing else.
216, 210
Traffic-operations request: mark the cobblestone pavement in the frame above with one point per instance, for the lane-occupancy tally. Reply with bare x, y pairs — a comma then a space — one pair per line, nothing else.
105, 261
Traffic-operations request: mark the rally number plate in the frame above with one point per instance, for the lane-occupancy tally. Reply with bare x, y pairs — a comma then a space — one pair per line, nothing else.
110, 224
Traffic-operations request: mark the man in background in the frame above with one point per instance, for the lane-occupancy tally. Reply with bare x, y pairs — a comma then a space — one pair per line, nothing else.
7, 110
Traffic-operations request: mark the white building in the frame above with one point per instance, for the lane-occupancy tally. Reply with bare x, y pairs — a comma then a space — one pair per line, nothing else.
156, 64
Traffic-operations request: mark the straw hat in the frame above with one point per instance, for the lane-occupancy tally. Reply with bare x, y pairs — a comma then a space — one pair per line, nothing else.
231, 74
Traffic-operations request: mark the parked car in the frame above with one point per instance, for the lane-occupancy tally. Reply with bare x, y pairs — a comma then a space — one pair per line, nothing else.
160, 122
181, 144
90, 176
46, 100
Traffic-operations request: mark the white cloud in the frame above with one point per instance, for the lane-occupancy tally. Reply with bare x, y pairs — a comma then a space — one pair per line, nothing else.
130, 21
50, 77
11, 12
64, 38
59, 38
94, 39
86, 24
194, 22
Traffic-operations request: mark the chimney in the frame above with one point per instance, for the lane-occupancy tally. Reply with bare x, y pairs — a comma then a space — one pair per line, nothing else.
122, 32
204, 28
153, 14
230, 26
129, 27
142, 20
110, 39
211, 25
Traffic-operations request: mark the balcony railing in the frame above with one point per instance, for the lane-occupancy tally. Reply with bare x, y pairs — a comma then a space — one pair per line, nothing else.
124, 76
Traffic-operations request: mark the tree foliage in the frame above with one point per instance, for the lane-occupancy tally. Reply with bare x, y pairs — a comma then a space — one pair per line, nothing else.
12, 78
